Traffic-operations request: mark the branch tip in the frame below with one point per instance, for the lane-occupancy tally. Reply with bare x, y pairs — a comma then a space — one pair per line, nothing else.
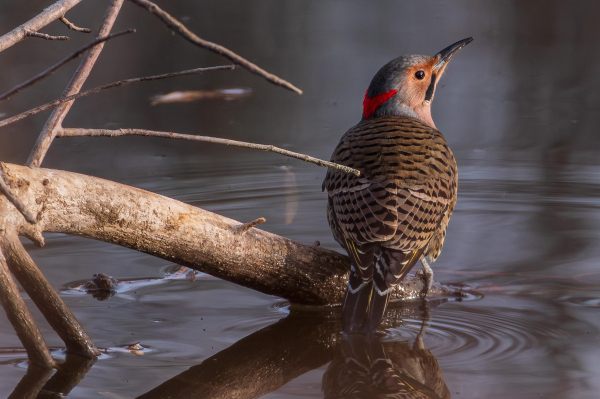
190, 36
150, 133
245, 227
71, 26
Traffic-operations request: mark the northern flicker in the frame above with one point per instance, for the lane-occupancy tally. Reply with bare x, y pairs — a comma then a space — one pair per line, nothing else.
396, 212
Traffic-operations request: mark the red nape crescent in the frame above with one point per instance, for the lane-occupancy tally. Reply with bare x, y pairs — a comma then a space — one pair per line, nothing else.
370, 104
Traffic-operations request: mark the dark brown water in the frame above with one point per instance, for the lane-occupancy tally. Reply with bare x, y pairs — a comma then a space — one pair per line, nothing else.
519, 107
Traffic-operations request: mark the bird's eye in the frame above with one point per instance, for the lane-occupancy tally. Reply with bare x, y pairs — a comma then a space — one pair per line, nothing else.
420, 74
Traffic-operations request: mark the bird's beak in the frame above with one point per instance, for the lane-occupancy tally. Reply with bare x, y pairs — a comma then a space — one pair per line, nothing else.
447, 53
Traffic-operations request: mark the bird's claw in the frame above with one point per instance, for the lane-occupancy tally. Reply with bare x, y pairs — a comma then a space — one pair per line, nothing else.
427, 282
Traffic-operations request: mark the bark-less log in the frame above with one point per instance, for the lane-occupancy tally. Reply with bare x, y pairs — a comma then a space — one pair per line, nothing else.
90, 207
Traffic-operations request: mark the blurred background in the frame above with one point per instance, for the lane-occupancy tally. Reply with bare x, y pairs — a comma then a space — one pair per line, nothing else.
518, 106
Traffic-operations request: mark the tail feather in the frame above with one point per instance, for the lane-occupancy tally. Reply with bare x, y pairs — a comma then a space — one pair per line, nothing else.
356, 304
357, 301
375, 272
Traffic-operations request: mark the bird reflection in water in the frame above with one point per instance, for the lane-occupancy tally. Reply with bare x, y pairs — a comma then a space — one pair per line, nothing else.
366, 367
270, 358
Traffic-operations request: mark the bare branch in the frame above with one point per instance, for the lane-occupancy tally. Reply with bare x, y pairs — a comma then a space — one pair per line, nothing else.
55, 121
190, 36
70, 25
14, 199
60, 64
141, 132
49, 14
21, 320
120, 83
46, 299
46, 36
245, 227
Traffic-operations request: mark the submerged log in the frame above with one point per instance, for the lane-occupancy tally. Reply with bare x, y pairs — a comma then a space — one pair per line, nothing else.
85, 206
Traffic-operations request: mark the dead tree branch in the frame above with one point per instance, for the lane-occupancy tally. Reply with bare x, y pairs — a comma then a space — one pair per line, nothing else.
150, 133
245, 227
120, 83
190, 36
49, 14
14, 199
86, 206
48, 72
21, 320
46, 36
46, 299
71, 26
55, 121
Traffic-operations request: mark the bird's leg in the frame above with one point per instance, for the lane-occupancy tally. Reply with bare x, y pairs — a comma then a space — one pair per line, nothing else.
418, 344
427, 274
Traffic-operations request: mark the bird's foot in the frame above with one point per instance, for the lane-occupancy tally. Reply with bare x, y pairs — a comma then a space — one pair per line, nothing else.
427, 274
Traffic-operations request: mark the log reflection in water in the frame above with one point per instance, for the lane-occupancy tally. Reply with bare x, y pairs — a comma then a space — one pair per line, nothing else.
35, 383
303, 341
270, 358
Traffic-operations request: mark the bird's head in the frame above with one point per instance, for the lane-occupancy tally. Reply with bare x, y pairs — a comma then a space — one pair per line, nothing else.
405, 86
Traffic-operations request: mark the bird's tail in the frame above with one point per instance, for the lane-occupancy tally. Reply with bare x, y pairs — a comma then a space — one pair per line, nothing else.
355, 310
391, 267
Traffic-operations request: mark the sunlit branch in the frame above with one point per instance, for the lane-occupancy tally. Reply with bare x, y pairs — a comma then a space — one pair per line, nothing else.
206, 139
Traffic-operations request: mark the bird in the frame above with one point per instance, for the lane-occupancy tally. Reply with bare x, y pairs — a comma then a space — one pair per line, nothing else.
395, 213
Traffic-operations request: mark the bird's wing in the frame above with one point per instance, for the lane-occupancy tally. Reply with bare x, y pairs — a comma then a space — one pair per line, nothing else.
408, 179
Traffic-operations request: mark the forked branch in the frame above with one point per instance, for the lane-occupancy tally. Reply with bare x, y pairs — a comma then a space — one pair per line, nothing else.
150, 133
190, 36
52, 13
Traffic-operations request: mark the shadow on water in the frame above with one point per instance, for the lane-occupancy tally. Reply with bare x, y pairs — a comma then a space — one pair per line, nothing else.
271, 357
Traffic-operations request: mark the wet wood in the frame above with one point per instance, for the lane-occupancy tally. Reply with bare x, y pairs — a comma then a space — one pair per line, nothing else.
85, 206
46, 299
21, 320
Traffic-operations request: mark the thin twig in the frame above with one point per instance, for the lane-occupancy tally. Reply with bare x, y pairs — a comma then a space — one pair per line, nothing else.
55, 120
190, 36
49, 14
70, 25
46, 36
140, 132
61, 63
120, 83
245, 227
30, 216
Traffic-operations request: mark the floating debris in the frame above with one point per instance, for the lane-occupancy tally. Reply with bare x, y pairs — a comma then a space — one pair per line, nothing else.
193, 95
136, 349
102, 287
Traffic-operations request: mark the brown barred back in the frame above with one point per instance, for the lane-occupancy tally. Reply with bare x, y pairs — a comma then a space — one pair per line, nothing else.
407, 188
